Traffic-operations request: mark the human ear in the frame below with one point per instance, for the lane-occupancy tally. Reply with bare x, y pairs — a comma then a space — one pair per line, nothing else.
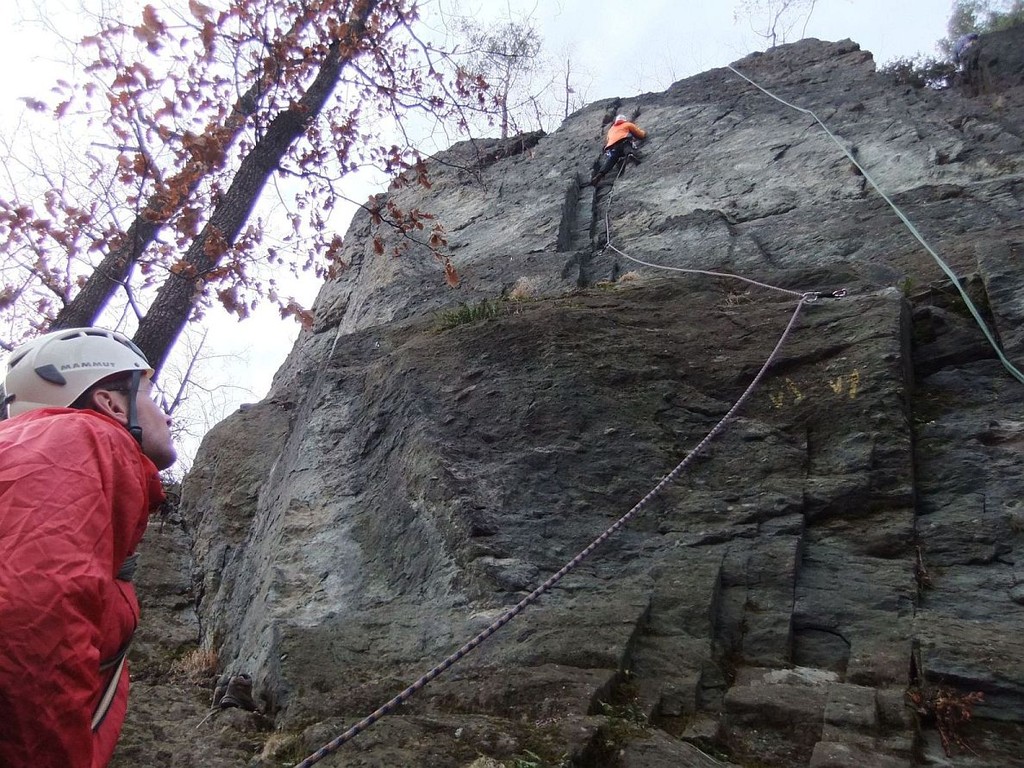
110, 403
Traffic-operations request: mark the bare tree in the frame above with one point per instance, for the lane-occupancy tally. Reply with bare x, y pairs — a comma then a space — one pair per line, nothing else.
775, 20
192, 392
573, 93
191, 112
504, 55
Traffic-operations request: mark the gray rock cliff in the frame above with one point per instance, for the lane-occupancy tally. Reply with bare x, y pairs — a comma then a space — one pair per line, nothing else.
822, 585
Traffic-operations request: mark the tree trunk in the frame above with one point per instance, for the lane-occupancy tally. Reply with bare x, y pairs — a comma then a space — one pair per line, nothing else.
111, 274
113, 271
170, 311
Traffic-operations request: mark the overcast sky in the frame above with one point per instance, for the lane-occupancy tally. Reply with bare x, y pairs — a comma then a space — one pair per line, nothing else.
620, 47
642, 45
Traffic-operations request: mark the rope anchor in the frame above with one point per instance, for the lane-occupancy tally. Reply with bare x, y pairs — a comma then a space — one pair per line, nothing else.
812, 296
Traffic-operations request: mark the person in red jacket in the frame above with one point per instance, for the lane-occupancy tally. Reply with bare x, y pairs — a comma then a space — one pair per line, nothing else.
79, 463
618, 142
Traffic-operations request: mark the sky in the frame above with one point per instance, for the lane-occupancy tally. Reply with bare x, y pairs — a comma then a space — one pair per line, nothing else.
619, 48
658, 42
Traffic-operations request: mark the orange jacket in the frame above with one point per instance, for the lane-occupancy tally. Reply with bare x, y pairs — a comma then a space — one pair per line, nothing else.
621, 129
76, 492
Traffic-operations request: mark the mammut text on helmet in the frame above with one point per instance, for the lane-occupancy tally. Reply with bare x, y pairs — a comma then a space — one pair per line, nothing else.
75, 366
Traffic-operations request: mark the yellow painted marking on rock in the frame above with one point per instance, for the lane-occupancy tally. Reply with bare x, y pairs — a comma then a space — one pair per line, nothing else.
788, 393
797, 394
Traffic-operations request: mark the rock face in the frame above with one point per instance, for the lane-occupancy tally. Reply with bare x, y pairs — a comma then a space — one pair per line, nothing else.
821, 585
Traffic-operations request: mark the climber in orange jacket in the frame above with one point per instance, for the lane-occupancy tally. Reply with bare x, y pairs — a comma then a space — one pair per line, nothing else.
618, 142
79, 463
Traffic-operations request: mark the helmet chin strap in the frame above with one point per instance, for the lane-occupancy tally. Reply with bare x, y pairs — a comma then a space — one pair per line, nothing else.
133, 411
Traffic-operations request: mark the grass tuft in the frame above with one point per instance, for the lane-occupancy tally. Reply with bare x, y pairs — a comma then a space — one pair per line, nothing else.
470, 313
198, 664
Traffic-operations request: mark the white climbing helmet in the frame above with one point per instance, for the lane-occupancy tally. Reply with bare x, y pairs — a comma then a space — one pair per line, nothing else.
621, 119
56, 368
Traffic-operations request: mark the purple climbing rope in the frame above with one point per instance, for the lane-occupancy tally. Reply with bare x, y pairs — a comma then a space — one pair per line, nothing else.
511, 613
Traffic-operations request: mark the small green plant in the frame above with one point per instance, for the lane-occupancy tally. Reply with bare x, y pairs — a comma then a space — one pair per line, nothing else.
529, 761
920, 72
470, 313
626, 722
629, 712
533, 760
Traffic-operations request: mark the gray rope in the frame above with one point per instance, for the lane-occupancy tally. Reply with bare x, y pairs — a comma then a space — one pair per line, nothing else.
706, 272
609, 246
519, 607
395, 702
910, 226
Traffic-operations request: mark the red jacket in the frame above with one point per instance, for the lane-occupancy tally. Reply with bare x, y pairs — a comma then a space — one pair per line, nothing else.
75, 496
621, 129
